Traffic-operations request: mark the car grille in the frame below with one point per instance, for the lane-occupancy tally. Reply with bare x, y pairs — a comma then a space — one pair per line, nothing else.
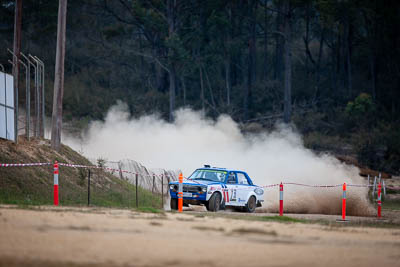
191, 188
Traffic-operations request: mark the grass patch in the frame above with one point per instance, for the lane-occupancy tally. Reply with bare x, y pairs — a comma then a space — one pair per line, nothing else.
149, 210
79, 228
155, 223
185, 219
253, 231
391, 205
34, 185
243, 216
285, 219
208, 228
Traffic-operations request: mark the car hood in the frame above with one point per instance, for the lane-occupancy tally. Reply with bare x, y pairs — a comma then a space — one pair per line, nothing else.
196, 182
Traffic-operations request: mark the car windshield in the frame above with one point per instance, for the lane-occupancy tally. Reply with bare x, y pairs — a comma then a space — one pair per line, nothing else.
211, 175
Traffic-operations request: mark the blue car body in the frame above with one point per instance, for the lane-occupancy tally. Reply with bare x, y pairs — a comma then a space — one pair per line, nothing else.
235, 189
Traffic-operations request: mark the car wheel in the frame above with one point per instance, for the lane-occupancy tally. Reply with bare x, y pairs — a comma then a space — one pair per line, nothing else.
174, 203
251, 204
214, 203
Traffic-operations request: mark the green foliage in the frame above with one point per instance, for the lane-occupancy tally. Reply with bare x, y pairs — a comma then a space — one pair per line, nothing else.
101, 162
369, 148
362, 106
111, 31
391, 205
125, 50
82, 176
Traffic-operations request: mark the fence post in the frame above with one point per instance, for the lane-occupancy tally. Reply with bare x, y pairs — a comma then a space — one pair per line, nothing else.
137, 178
373, 188
55, 191
281, 199
162, 190
88, 196
344, 202
154, 180
384, 188
180, 193
379, 200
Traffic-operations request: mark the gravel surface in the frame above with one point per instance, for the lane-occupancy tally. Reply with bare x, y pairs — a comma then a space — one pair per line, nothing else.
64, 236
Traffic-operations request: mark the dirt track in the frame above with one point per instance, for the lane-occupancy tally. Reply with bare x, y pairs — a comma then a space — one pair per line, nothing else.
109, 237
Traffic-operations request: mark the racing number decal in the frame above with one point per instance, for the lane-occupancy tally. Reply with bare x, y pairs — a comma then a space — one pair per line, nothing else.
233, 195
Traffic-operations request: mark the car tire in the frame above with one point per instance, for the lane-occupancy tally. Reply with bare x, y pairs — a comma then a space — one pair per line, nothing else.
251, 204
174, 204
214, 204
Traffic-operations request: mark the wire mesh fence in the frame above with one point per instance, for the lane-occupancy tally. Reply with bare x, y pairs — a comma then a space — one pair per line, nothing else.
125, 184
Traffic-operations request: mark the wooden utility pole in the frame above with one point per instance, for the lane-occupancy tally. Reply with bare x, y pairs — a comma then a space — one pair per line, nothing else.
59, 77
17, 49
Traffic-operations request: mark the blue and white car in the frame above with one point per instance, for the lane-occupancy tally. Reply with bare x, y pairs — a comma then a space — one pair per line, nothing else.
217, 188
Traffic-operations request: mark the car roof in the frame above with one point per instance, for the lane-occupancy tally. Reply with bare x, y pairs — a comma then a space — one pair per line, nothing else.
220, 169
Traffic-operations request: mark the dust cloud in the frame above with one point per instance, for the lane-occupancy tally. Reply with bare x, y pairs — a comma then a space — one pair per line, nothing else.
192, 140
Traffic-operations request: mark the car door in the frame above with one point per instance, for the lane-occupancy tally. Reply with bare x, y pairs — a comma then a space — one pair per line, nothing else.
231, 190
243, 189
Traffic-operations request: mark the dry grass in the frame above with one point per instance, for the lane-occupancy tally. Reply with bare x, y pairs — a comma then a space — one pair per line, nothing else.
208, 228
256, 231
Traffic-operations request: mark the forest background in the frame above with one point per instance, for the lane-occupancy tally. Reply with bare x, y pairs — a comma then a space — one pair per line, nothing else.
330, 68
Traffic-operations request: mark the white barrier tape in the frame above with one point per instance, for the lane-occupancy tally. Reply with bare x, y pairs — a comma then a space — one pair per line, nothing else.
270, 185
359, 185
160, 175
307, 185
78, 166
110, 169
23, 164
323, 186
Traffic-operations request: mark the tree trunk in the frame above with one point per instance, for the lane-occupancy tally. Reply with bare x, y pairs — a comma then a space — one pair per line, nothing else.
203, 106
372, 63
184, 90
227, 62
171, 8
318, 64
348, 57
306, 39
251, 70
265, 65
279, 43
210, 89
59, 77
287, 111
320, 53
172, 85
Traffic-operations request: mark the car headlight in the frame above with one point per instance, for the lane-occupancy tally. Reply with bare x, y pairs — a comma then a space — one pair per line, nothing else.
259, 191
204, 189
172, 187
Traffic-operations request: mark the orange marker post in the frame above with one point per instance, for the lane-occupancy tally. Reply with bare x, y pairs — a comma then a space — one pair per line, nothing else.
281, 199
379, 200
344, 203
56, 183
180, 193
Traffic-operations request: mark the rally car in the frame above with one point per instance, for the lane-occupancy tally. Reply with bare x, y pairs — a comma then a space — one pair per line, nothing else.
217, 188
